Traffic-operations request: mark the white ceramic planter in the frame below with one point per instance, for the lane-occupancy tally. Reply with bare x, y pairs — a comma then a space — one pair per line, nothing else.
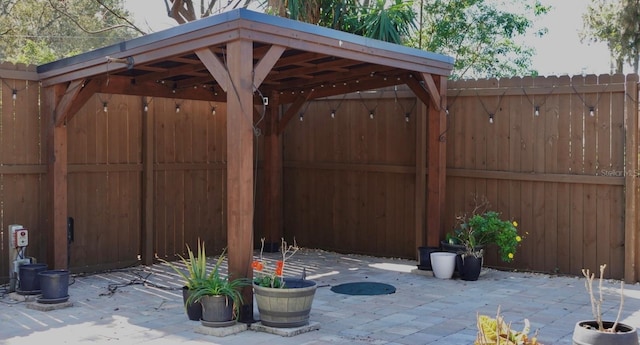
443, 264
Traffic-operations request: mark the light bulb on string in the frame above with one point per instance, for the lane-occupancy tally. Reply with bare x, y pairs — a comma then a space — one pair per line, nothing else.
177, 108
406, 117
592, 112
104, 107
301, 117
333, 114
146, 107
371, 116
14, 94
213, 110
537, 111
491, 118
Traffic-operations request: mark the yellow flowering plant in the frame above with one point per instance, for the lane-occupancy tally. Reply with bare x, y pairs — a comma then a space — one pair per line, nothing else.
485, 227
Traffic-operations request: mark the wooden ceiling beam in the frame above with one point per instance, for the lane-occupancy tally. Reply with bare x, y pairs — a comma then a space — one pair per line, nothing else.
354, 75
340, 89
124, 85
192, 70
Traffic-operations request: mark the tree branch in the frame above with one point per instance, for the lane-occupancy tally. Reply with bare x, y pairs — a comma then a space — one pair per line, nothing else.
121, 17
59, 10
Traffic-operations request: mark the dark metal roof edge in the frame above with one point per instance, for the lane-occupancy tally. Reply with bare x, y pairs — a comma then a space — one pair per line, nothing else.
340, 35
246, 14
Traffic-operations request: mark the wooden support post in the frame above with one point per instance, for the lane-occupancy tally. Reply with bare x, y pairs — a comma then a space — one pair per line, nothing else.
631, 181
56, 141
421, 173
240, 167
272, 205
437, 126
147, 184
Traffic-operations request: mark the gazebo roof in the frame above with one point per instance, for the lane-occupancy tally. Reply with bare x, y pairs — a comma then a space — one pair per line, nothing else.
309, 59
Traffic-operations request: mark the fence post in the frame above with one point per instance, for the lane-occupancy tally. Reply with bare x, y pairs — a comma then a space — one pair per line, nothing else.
631, 179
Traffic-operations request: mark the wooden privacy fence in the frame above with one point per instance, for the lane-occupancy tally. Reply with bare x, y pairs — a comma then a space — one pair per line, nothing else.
569, 178
560, 157
557, 154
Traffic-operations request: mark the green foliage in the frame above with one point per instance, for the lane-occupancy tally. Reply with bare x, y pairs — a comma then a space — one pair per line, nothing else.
615, 23
483, 227
488, 228
214, 284
391, 21
481, 37
196, 267
39, 31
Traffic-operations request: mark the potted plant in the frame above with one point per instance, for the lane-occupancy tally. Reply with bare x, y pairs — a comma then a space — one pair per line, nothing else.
282, 302
474, 233
496, 331
597, 331
196, 267
219, 296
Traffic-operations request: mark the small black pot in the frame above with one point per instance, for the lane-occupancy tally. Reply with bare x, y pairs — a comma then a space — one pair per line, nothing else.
194, 310
469, 267
424, 262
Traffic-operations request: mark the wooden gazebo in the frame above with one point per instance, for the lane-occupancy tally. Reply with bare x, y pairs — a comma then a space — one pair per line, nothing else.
228, 58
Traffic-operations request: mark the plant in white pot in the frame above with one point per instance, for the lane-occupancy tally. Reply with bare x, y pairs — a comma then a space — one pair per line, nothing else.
597, 331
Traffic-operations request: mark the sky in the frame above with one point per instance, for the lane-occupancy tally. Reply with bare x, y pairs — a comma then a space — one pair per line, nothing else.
559, 52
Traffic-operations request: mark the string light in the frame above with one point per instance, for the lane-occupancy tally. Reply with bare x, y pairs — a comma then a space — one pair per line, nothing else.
537, 111
491, 118
371, 115
333, 114
213, 110
301, 117
14, 94
146, 107
592, 111
104, 107
177, 108
406, 117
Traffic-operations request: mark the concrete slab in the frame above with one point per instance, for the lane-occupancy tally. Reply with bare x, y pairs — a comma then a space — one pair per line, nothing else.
48, 307
285, 332
221, 331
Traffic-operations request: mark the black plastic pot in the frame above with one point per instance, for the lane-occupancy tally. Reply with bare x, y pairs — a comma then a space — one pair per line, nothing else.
424, 257
54, 285
29, 280
194, 309
469, 267
217, 311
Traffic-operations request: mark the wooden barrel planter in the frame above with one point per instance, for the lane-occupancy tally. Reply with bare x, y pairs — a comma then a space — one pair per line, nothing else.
287, 307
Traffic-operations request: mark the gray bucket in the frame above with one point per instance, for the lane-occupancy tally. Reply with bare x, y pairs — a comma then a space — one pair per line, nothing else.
29, 279
54, 284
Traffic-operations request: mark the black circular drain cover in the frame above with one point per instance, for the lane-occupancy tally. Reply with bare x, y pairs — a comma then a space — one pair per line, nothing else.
364, 288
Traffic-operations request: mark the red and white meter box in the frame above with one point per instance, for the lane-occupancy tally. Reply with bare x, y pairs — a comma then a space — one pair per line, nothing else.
20, 237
